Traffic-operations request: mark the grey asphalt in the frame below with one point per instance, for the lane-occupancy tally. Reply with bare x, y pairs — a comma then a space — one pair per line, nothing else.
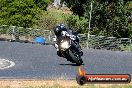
35, 61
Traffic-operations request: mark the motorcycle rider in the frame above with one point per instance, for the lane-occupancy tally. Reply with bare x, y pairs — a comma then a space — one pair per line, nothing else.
61, 30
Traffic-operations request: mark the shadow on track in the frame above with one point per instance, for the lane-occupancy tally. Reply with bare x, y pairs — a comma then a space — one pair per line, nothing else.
70, 64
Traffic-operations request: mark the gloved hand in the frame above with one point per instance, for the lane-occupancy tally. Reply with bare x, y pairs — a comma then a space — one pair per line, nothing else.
73, 37
64, 33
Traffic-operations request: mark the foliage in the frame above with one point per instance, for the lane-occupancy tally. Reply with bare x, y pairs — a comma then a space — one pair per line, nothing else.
79, 24
109, 17
76, 6
126, 47
42, 4
130, 30
21, 12
47, 21
52, 18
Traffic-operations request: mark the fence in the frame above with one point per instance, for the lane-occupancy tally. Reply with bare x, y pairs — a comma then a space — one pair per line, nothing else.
108, 43
14, 33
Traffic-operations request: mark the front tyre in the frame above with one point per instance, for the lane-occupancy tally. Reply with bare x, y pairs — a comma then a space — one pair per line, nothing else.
75, 58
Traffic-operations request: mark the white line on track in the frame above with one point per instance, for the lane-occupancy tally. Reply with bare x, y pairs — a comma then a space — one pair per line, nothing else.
5, 65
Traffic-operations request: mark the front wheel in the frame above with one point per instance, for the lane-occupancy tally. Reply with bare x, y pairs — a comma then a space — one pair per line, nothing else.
75, 58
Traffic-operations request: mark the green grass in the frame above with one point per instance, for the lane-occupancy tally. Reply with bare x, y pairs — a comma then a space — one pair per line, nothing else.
126, 47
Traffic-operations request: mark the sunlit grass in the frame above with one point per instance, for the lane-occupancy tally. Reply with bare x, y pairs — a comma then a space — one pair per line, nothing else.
84, 86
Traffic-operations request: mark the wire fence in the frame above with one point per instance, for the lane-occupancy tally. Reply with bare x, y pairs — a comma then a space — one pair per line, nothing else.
14, 33
20, 34
107, 43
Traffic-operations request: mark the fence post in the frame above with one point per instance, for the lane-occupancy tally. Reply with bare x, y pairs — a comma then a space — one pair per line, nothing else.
88, 35
49, 36
130, 45
13, 33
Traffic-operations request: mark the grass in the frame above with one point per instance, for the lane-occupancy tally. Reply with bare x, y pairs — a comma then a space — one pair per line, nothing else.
126, 47
55, 84
88, 86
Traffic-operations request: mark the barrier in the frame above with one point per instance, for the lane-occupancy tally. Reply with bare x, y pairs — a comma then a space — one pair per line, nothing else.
96, 42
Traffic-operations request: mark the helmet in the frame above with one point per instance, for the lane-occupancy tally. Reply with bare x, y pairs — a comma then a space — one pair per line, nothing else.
63, 27
58, 29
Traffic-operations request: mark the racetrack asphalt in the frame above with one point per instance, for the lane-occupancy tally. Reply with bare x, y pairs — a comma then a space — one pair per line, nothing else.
35, 61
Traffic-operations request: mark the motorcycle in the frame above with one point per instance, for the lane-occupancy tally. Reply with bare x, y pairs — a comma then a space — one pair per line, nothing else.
70, 50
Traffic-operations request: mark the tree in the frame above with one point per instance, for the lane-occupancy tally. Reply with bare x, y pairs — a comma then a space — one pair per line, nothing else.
21, 12
76, 6
109, 18
43, 4
78, 23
